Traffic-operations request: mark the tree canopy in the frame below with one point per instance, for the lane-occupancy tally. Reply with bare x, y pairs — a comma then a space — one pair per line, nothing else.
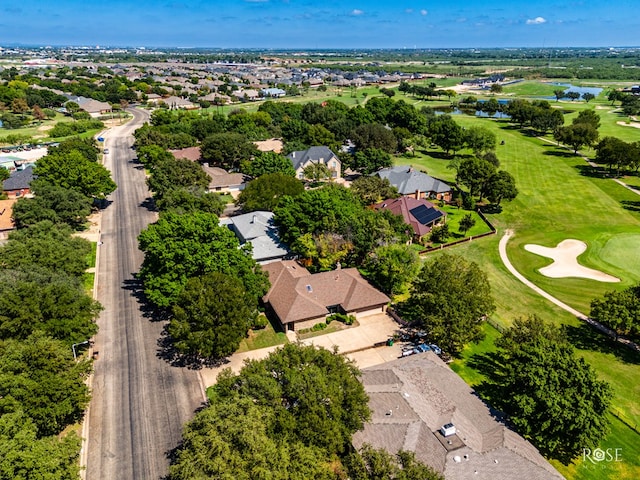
552, 396
392, 267
178, 247
449, 299
265, 192
211, 316
619, 310
227, 149
45, 246
267, 162
74, 171
53, 303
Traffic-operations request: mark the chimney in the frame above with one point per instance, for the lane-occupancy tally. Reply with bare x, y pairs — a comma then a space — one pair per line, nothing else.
253, 219
293, 155
417, 194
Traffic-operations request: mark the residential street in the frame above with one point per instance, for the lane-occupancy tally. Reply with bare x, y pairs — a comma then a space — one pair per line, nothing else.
139, 401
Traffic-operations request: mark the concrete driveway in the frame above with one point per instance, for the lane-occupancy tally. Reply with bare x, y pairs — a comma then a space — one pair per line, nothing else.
357, 342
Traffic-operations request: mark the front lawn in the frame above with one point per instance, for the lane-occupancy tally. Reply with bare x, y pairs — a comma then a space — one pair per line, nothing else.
257, 339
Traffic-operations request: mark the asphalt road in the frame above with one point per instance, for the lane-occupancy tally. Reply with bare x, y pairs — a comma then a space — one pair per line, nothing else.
139, 402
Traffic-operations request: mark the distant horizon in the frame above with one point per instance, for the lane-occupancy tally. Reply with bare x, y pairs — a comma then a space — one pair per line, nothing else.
331, 24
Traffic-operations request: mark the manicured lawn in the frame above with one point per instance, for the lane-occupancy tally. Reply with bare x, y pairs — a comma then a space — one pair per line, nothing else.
334, 326
620, 437
91, 258
267, 337
530, 88
88, 280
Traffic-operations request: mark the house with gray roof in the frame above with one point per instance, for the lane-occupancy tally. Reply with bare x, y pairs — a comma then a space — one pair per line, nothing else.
319, 154
258, 229
414, 183
19, 182
420, 405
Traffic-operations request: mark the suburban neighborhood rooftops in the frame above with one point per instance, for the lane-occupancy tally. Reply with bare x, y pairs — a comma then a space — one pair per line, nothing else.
19, 180
296, 294
419, 214
190, 153
412, 398
259, 229
312, 154
409, 180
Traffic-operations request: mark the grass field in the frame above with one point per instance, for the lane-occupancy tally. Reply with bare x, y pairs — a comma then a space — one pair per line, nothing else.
267, 337
560, 199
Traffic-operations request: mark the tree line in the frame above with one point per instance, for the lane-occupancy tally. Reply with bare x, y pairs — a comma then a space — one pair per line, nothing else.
44, 311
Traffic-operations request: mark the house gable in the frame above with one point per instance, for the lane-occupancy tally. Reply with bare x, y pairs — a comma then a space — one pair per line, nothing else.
320, 154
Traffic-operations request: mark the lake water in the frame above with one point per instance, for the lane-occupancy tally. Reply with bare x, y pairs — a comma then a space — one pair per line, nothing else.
572, 88
477, 113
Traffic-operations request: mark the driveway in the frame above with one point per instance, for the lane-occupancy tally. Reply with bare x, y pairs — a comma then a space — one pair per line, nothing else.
357, 342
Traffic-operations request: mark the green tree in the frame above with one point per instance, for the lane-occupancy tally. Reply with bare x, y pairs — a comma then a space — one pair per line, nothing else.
25, 456
480, 139
211, 316
447, 134
170, 174
267, 162
614, 152
450, 299
190, 200
40, 376
86, 146
227, 150
370, 160
559, 93
152, 155
53, 303
577, 135
439, 233
501, 186
589, 117
315, 394
73, 171
317, 172
54, 203
265, 192
373, 189
392, 267
46, 246
496, 88
4, 174
475, 173
587, 96
552, 396
179, 247
378, 464
619, 310
374, 135
466, 223
234, 438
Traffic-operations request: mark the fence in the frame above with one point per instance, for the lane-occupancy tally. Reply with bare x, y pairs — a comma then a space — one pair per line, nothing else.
623, 418
468, 239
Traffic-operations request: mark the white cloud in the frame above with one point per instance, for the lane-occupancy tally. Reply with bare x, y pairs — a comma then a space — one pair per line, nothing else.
536, 21
423, 12
409, 10
356, 11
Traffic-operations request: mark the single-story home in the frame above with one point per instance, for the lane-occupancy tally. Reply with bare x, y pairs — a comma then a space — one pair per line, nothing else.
190, 153
271, 145
420, 215
177, 103
414, 183
258, 229
225, 182
19, 183
319, 154
420, 405
298, 299
273, 92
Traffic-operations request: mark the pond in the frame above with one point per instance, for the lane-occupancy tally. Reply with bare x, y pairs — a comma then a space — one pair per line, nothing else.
477, 113
572, 88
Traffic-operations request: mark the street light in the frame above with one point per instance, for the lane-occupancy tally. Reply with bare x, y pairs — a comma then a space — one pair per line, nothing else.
73, 348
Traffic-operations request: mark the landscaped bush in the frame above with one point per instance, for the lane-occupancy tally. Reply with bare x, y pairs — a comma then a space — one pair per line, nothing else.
341, 317
260, 322
65, 129
318, 327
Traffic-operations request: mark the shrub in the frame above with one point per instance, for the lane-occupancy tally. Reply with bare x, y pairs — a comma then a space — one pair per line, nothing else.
260, 322
341, 317
318, 327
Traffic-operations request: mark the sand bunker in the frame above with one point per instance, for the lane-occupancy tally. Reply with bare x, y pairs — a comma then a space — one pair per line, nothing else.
565, 261
630, 124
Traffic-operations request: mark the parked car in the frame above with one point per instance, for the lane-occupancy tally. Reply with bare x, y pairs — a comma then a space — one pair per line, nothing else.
406, 352
423, 347
436, 349
105, 151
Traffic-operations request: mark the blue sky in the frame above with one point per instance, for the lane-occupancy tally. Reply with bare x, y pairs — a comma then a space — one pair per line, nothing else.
321, 23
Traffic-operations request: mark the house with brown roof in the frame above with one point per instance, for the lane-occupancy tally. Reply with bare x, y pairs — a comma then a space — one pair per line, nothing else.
299, 299
225, 182
190, 153
420, 215
420, 405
